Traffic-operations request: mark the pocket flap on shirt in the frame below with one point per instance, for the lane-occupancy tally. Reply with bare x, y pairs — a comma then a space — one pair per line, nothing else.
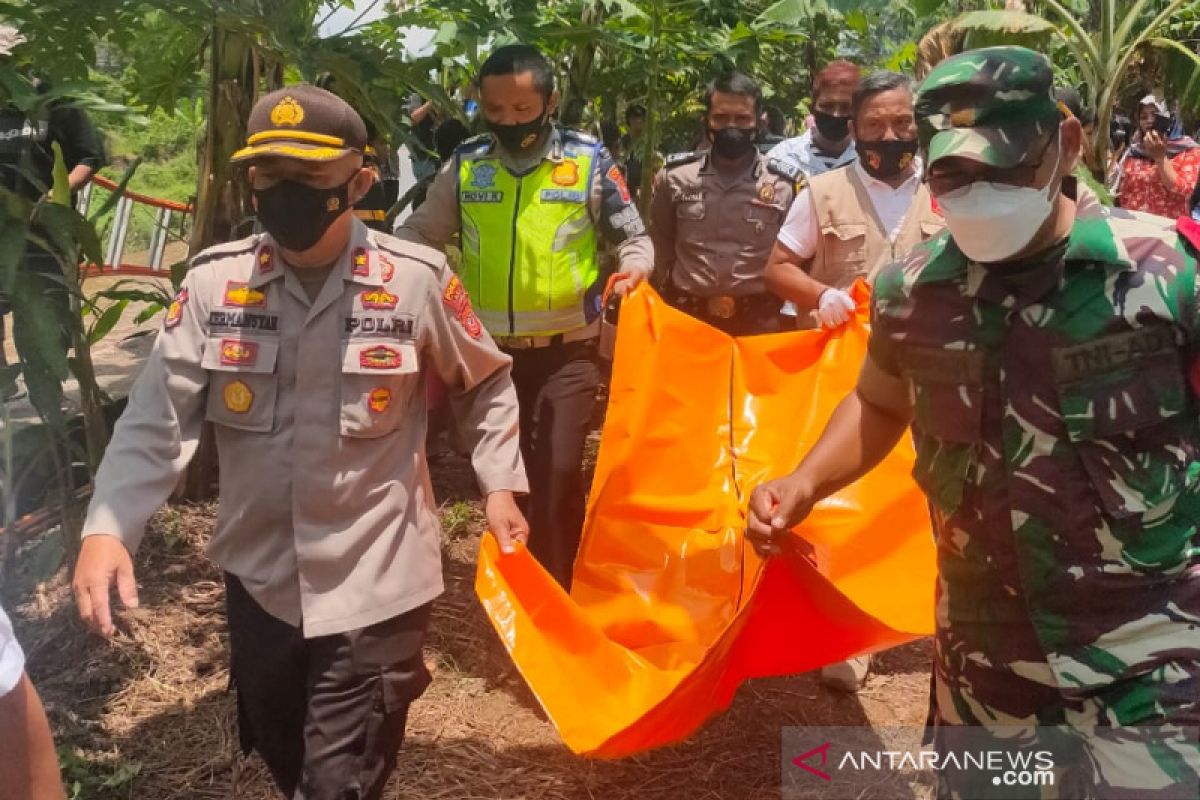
844, 231
240, 354
379, 358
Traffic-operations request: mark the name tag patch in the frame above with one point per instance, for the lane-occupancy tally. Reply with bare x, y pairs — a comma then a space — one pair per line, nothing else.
482, 197
376, 325
237, 320
563, 196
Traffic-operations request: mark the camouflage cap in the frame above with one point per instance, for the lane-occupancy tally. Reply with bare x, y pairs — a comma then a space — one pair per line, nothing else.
305, 123
993, 105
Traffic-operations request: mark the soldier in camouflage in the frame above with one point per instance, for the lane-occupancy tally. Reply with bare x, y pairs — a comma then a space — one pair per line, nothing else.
1043, 351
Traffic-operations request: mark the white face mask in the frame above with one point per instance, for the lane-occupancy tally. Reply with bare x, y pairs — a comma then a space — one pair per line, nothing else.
994, 221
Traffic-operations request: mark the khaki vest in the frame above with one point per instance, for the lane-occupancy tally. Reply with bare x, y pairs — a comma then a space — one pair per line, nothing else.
852, 241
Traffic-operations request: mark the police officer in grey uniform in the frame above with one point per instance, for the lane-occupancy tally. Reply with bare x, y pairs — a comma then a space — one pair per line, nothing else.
715, 214
308, 348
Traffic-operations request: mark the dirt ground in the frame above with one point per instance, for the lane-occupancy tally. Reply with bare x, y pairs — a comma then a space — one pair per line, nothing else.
148, 715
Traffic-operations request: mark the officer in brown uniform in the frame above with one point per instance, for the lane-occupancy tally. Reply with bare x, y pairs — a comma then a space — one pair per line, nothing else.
308, 347
715, 216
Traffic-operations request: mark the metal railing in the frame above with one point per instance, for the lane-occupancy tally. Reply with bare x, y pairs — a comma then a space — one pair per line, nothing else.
164, 211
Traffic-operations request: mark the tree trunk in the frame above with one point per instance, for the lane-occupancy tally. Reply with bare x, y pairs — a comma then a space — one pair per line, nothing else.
222, 193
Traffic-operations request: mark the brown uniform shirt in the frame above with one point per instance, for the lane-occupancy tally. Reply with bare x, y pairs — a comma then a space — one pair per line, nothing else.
326, 512
714, 229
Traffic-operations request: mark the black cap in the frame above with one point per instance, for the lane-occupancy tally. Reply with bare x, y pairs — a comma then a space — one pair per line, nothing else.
304, 123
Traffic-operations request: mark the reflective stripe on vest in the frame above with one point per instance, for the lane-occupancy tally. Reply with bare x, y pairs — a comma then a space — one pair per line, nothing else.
528, 244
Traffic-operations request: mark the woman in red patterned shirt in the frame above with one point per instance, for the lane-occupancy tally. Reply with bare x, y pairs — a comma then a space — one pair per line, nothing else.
1160, 169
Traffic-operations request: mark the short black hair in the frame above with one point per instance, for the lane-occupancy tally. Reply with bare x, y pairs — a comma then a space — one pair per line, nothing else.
733, 83
448, 136
1071, 99
635, 111
877, 83
517, 59
776, 121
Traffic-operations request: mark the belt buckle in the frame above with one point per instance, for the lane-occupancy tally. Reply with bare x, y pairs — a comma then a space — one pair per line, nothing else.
515, 342
723, 307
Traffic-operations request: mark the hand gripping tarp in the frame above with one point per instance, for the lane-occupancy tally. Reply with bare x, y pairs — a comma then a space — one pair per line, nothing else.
671, 609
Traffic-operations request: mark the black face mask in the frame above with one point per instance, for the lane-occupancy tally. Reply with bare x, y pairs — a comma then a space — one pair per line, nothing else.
521, 137
886, 158
297, 216
833, 128
733, 143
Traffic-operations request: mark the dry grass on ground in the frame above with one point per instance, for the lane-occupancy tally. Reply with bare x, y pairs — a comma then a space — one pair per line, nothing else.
148, 715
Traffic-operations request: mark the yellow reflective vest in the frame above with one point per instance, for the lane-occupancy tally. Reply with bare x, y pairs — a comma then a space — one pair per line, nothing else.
529, 257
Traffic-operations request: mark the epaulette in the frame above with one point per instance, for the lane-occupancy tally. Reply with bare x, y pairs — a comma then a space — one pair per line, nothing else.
402, 248
474, 143
578, 136
785, 170
678, 159
218, 251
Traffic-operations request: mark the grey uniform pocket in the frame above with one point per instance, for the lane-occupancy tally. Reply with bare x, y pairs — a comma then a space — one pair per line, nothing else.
377, 381
242, 384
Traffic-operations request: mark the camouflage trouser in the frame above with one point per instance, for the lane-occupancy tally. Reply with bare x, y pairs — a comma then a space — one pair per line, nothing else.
1132, 740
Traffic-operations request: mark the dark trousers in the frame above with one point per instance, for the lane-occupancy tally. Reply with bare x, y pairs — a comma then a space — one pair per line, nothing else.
326, 714
556, 390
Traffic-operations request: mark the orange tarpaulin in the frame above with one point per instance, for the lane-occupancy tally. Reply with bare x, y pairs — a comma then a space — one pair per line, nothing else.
671, 609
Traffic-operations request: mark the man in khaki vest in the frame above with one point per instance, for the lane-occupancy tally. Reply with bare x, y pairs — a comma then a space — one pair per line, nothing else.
850, 222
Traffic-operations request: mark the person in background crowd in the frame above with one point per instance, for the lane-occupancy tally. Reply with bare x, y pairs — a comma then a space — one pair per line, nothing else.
1120, 131
1087, 119
423, 117
772, 128
1159, 170
610, 137
28, 762
828, 144
716, 213
632, 146
26, 168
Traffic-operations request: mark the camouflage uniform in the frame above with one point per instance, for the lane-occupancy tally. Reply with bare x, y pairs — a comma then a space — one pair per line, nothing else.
1057, 440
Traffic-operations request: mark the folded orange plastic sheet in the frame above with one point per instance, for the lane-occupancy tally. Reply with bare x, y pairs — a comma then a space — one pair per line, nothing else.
671, 609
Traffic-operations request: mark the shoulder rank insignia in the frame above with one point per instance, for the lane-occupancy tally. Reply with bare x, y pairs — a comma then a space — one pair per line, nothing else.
175, 310
360, 263
786, 170
266, 260
677, 159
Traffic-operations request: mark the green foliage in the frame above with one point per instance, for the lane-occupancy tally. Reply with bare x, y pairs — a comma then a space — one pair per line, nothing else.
90, 775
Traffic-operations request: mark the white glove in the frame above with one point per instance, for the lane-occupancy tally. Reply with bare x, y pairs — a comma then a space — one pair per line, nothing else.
834, 308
